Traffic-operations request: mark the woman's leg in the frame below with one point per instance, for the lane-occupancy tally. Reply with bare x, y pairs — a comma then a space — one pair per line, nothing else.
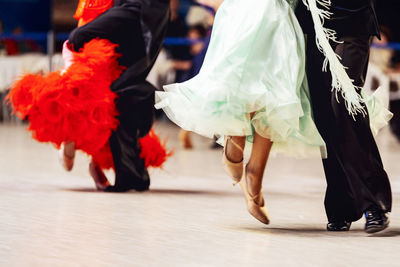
100, 180
232, 151
185, 139
256, 165
252, 184
66, 155
232, 159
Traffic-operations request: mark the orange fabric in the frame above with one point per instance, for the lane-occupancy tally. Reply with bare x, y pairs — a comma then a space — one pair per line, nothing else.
88, 10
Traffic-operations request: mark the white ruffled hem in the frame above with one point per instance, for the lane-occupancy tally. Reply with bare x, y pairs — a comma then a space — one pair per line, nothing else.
280, 123
379, 115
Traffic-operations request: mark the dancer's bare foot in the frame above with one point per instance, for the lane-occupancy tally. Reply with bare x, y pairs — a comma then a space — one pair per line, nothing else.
252, 182
184, 138
100, 180
66, 155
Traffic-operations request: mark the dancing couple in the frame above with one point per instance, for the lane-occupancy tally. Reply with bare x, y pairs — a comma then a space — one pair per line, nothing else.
264, 87
101, 103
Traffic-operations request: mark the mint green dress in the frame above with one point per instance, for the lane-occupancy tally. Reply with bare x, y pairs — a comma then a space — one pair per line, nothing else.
255, 64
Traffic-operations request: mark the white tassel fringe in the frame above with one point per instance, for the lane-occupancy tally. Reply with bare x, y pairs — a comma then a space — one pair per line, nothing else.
341, 81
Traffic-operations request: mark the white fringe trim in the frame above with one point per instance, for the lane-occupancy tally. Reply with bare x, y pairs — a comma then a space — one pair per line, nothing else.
341, 82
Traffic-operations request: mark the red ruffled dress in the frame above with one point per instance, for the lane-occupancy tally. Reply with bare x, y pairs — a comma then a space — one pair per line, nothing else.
76, 104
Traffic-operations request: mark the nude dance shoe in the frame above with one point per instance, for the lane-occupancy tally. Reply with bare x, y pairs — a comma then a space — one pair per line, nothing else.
234, 169
255, 204
66, 155
100, 180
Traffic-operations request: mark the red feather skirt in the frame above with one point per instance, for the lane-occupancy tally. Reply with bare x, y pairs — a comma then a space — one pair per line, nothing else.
78, 106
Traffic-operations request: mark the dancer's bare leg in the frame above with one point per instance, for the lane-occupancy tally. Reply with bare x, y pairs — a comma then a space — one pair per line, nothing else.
252, 183
233, 153
100, 180
67, 155
256, 166
232, 159
185, 139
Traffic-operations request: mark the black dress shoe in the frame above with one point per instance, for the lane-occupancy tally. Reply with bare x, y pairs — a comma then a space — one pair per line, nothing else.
338, 226
126, 183
376, 220
121, 188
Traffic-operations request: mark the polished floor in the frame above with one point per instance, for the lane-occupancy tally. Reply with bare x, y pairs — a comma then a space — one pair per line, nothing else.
192, 216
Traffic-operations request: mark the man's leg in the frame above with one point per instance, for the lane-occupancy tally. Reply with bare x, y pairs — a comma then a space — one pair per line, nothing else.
135, 122
355, 176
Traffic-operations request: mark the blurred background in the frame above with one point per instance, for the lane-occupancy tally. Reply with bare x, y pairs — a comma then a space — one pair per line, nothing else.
192, 214
32, 33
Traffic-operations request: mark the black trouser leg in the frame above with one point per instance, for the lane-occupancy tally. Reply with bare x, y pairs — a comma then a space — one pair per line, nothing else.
356, 180
135, 121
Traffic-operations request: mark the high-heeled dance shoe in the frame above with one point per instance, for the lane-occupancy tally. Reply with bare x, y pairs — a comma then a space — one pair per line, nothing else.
66, 155
100, 180
234, 169
255, 204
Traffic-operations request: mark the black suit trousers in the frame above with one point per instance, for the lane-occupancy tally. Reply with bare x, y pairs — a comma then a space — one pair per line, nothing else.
356, 179
135, 102
136, 119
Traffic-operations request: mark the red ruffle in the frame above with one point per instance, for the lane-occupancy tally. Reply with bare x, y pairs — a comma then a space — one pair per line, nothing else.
153, 150
75, 106
88, 10
78, 106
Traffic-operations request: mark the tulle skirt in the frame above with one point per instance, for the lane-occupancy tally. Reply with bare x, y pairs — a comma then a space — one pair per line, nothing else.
252, 80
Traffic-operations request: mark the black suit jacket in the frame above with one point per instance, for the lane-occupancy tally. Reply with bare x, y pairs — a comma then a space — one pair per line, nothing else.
139, 28
350, 18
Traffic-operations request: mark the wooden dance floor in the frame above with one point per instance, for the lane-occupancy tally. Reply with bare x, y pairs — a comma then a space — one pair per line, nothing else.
192, 216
